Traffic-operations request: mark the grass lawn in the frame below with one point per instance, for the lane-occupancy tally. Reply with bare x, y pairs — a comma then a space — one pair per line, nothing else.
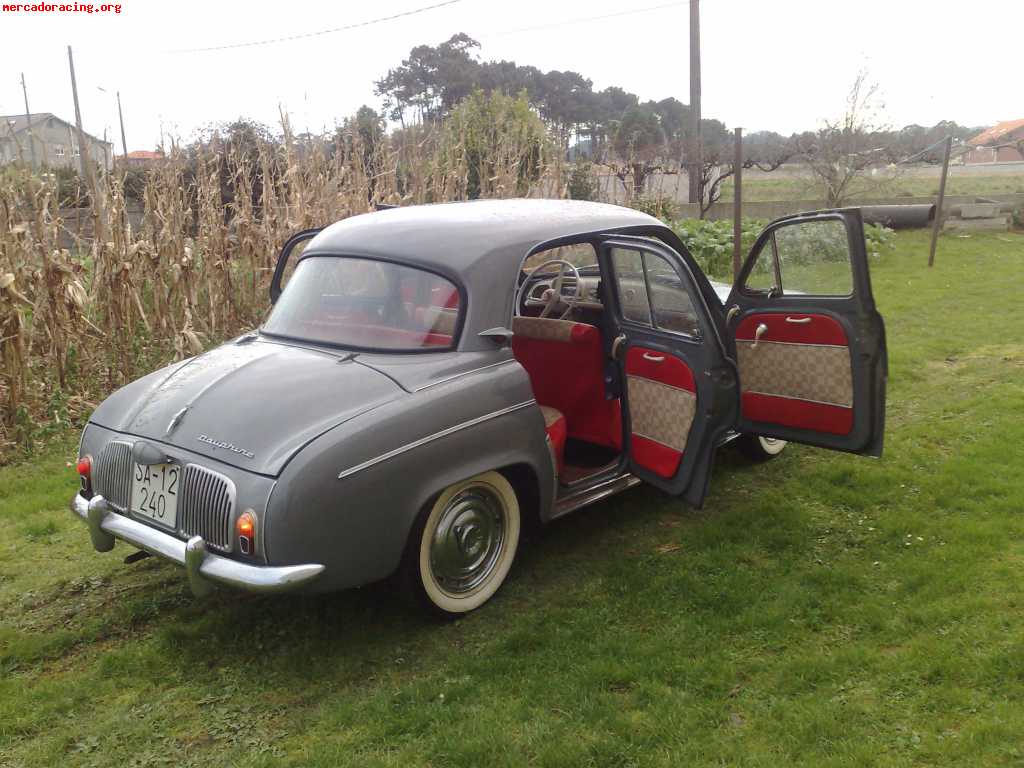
821, 610
769, 188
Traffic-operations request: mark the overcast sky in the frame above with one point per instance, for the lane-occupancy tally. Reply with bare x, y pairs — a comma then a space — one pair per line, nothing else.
781, 66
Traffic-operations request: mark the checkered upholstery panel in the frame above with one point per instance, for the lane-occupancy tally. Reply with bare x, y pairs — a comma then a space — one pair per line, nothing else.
802, 371
551, 415
660, 412
543, 328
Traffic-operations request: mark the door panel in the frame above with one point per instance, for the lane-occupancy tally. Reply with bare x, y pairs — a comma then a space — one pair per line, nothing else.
662, 400
796, 372
680, 389
809, 343
795, 327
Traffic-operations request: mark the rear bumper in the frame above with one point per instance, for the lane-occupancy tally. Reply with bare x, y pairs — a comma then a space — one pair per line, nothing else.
203, 568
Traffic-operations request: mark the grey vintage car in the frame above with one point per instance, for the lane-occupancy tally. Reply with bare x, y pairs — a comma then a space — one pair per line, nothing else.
432, 378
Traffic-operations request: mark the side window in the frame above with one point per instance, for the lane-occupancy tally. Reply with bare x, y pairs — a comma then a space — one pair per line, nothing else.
670, 302
805, 257
578, 254
631, 285
289, 267
651, 292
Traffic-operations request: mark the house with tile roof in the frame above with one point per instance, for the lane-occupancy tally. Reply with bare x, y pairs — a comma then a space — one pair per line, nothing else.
1002, 143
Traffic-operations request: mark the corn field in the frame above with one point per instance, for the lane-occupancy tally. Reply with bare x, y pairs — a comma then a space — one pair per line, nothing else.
77, 322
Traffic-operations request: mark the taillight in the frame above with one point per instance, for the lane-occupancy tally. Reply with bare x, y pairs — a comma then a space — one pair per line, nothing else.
245, 527
84, 467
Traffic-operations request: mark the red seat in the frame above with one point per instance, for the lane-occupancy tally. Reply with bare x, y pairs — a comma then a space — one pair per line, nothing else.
565, 362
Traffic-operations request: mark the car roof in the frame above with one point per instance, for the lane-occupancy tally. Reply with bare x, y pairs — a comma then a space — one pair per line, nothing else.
479, 244
482, 230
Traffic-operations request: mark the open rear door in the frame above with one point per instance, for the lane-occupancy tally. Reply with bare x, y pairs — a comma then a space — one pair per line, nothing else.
809, 343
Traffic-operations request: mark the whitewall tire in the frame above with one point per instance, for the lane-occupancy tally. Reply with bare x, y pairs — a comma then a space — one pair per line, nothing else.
462, 547
760, 448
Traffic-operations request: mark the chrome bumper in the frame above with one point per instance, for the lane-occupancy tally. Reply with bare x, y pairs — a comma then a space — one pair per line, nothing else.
203, 568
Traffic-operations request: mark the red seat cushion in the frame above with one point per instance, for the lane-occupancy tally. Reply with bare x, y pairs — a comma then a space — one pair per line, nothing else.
565, 362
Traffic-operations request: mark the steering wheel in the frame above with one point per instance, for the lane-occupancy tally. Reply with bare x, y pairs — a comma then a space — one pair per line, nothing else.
552, 296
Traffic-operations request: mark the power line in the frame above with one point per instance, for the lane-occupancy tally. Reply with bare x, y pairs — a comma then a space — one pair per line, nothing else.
306, 35
591, 18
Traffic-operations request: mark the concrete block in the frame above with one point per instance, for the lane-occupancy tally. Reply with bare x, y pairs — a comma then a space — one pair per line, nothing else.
994, 224
979, 210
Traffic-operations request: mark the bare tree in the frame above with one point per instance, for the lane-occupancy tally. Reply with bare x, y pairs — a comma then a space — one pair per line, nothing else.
717, 165
841, 152
640, 148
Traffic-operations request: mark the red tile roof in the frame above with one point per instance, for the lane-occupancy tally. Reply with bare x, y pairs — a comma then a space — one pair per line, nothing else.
144, 154
996, 132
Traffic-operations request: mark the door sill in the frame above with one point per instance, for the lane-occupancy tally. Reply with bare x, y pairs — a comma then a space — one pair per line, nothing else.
573, 500
592, 473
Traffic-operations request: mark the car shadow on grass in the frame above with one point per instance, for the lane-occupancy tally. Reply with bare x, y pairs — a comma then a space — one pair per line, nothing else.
299, 636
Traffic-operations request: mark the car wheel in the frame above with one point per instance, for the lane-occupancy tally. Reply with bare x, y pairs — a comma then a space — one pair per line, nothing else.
760, 448
463, 545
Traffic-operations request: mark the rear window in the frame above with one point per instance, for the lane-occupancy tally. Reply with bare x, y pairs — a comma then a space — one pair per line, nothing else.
367, 304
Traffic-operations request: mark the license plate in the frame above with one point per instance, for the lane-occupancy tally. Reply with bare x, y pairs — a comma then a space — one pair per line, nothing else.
155, 492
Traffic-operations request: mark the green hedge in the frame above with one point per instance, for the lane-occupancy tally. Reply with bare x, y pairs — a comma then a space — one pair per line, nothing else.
710, 242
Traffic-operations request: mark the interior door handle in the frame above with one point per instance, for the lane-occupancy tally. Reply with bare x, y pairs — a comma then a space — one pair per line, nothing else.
619, 341
762, 329
798, 319
654, 358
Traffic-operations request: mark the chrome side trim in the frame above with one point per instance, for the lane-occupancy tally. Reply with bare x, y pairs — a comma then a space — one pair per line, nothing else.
202, 566
431, 438
464, 373
603, 490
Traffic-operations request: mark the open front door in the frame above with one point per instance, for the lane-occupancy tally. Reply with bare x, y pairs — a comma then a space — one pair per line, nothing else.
679, 390
809, 343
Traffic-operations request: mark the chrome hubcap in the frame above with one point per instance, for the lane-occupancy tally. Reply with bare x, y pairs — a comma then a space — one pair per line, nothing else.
468, 540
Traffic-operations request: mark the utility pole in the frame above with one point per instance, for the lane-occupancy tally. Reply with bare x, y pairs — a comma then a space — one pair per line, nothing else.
28, 123
942, 197
83, 152
83, 155
737, 205
124, 141
695, 143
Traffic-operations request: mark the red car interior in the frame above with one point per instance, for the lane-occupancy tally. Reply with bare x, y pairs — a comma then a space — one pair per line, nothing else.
799, 362
565, 362
433, 310
660, 416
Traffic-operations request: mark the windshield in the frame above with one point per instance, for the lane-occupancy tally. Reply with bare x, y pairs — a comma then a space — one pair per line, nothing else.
367, 304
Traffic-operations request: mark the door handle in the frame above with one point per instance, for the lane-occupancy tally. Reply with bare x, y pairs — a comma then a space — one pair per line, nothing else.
654, 358
733, 311
798, 319
762, 329
619, 341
